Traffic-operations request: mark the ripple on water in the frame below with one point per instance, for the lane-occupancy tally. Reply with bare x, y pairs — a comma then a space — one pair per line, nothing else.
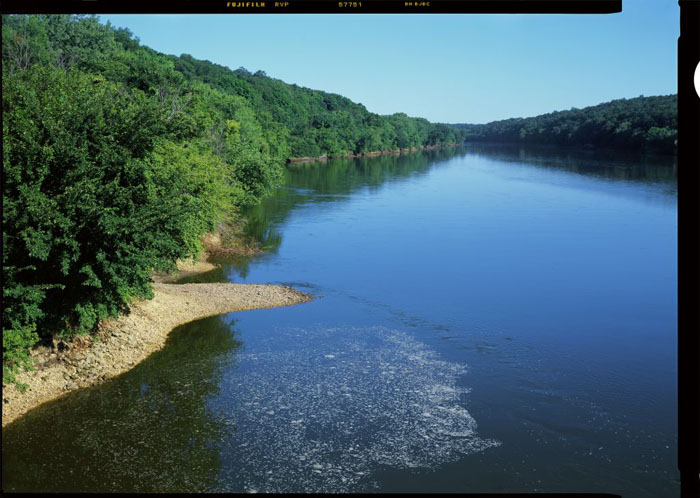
320, 409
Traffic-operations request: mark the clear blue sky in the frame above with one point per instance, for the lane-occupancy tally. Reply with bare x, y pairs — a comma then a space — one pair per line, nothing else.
446, 68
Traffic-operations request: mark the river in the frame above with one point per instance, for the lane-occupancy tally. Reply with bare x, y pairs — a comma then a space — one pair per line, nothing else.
486, 319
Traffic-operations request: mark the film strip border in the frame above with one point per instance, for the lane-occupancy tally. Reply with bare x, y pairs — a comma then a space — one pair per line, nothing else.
689, 249
314, 6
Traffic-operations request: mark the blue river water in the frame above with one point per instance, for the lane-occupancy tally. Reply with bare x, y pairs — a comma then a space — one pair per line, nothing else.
486, 319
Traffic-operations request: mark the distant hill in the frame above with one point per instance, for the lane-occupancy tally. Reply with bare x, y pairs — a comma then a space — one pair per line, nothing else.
642, 123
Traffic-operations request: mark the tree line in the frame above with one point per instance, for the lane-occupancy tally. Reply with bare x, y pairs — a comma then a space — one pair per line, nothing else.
118, 158
637, 124
312, 123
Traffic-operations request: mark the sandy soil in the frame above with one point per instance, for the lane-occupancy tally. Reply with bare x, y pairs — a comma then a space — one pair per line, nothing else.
123, 342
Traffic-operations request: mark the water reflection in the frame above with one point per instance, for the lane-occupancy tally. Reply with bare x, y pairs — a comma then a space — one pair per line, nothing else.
331, 181
552, 276
320, 183
147, 430
335, 180
648, 168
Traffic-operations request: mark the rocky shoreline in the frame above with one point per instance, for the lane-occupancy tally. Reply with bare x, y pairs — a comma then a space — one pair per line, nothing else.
369, 154
123, 342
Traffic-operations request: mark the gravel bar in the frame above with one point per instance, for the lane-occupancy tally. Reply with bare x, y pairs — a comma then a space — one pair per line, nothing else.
129, 339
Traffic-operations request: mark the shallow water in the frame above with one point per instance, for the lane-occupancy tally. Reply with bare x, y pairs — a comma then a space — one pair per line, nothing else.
487, 319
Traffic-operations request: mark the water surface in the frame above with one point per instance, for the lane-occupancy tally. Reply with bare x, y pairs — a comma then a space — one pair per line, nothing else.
487, 319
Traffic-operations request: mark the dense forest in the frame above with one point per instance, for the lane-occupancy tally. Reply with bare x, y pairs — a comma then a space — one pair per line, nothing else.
642, 123
313, 123
117, 159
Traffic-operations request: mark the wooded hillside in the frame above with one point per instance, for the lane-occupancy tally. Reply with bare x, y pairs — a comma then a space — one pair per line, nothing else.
117, 159
642, 123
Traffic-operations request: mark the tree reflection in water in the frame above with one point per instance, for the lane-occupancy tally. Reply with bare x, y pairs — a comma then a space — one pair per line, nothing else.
147, 430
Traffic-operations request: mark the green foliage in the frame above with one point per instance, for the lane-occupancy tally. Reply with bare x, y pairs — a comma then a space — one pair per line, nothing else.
15, 346
74, 186
312, 122
21, 309
93, 201
117, 159
641, 123
191, 183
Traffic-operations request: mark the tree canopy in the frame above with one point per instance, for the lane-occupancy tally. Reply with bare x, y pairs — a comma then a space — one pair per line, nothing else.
642, 123
117, 159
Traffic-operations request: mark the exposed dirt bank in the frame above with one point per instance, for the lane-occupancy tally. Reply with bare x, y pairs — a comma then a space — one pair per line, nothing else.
129, 339
185, 269
229, 239
368, 154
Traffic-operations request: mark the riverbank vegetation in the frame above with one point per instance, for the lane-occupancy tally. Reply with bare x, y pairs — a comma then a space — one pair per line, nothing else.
118, 159
638, 124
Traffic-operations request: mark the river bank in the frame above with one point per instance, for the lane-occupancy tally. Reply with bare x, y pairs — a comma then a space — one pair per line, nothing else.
127, 340
368, 154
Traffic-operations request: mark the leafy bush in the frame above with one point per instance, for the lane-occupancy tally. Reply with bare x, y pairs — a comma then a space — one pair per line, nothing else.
117, 159
93, 201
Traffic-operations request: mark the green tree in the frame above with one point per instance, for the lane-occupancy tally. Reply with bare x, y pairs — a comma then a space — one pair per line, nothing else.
90, 207
628, 124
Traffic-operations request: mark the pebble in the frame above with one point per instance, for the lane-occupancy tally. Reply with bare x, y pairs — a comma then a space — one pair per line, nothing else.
143, 331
